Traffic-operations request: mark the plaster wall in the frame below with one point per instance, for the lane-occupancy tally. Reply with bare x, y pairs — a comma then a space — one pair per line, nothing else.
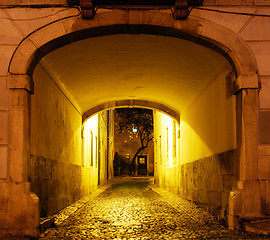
206, 171
106, 146
166, 139
59, 171
52, 116
208, 125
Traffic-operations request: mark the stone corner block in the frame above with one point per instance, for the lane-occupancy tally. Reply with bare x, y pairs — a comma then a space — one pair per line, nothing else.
252, 199
264, 150
244, 81
20, 82
235, 202
22, 210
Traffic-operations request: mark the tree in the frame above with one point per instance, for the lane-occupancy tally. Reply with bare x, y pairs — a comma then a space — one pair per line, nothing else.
138, 122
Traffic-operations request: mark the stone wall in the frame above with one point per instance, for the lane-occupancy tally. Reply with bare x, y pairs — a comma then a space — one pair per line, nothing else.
57, 184
208, 181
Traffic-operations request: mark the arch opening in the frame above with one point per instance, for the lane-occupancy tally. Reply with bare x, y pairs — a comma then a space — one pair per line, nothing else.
209, 162
164, 73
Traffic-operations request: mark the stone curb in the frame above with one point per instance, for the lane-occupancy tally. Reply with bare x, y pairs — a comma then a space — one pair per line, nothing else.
258, 227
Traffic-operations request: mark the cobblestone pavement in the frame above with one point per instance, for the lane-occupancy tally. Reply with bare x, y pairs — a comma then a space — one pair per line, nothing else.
130, 209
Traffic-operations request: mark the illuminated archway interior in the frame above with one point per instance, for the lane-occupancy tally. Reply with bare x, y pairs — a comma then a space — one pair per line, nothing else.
71, 80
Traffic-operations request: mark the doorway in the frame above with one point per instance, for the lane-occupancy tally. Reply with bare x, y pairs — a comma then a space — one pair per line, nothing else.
142, 165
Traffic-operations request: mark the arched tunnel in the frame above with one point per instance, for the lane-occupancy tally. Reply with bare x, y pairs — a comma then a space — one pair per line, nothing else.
200, 67
84, 75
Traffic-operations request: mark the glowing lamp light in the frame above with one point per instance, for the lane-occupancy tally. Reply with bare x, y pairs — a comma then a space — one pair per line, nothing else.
134, 130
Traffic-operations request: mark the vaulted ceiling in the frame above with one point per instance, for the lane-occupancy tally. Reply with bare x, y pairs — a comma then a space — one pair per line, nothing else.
161, 69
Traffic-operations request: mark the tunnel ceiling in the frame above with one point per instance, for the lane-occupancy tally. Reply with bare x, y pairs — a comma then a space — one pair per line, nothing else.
161, 69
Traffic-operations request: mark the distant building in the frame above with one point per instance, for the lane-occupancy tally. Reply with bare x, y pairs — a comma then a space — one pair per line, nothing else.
125, 146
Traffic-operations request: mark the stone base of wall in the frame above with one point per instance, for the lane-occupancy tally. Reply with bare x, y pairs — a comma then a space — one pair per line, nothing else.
57, 184
19, 210
209, 181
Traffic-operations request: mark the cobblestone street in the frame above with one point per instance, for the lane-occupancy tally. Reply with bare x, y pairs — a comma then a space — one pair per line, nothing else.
130, 209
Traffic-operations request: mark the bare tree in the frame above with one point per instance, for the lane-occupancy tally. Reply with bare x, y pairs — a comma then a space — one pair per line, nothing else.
138, 122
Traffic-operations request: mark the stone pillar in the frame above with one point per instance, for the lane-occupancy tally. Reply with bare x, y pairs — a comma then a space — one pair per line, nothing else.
245, 199
21, 207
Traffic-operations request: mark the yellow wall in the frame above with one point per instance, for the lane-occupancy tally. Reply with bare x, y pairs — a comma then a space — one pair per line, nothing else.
95, 129
90, 158
208, 125
55, 123
166, 152
204, 169
59, 168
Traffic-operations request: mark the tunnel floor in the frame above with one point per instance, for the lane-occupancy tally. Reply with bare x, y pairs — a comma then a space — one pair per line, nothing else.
130, 209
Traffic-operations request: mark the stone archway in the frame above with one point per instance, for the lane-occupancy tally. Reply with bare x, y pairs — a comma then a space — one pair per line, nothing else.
243, 82
132, 103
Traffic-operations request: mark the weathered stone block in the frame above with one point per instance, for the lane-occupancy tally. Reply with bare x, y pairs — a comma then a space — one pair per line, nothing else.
214, 198
252, 198
264, 167
264, 150
216, 182
229, 181
54, 169
200, 182
233, 22
262, 2
236, 202
233, 222
61, 172
3, 162
43, 190
52, 205
4, 94
207, 165
3, 127
227, 162
195, 196
225, 199
3, 203
51, 32
202, 196
263, 196
41, 169
206, 182
35, 186
261, 50
34, 167
6, 53
260, 24
236, 2
216, 162
267, 197
264, 92
50, 188
47, 170
22, 210
20, 63
264, 127
9, 33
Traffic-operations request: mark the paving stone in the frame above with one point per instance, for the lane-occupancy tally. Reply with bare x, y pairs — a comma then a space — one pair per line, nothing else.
133, 208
